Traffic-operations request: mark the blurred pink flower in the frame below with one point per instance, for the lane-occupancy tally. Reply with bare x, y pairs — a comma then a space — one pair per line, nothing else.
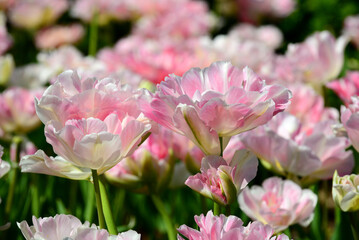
350, 120
155, 59
279, 203
107, 10
183, 20
308, 106
227, 228
17, 110
289, 148
346, 87
26, 148
254, 10
319, 58
351, 29
269, 35
36, 13
91, 124
240, 52
190, 105
222, 180
69, 227
56, 36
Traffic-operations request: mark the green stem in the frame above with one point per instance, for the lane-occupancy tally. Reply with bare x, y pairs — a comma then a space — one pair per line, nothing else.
17, 141
216, 209
325, 211
221, 145
10, 195
101, 218
93, 35
89, 201
35, 203
107, 210
161, 208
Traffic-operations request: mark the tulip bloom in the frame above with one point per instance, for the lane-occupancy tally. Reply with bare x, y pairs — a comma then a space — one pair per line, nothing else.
17, 110
227, 228
345, 191
346, 87
319, 58
288, 147
351, 29
350, 120
222, 180
279, 203
69, 227
99, 124
190, 105
57, 36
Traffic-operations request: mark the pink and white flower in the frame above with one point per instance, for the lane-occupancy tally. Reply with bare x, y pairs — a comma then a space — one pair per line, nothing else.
91, 124
37, 13
183, 20
190, 105
17, 110
319, 58
346, 87
222, 180
227, 228
286, 146
57, 36
279, 203
350, 120
351, 29
69, 227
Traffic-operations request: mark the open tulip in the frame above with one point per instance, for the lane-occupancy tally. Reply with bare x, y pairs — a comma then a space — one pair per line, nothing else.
227, 228
222, 180
350, 120
69, 227
287, 147
99, 124
190, 105
279, 203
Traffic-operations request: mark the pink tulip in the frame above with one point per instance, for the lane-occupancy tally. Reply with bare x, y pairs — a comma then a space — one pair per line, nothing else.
59, 35
346, 87
241, 52
253, 10
17, 110
150, 168
308, 106
69, 227
319, 58
351, 29
90, 123
34, 14
183, 20
279, 203
190, 105
106, 10
227, 228
350, 121
222, 180
155, 59
288, 147
269, 35
5, 38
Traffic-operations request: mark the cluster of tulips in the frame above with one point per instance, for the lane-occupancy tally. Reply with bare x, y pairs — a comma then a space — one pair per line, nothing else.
245, 133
